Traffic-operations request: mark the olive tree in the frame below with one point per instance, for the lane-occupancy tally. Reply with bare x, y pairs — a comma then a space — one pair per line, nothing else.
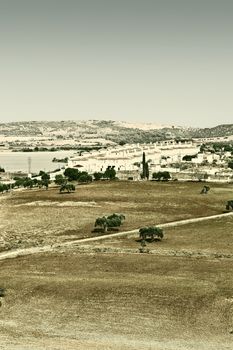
151, 232
67, 187
229, 205
109, 222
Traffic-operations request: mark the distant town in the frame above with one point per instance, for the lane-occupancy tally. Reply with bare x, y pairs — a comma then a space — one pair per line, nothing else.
161, 153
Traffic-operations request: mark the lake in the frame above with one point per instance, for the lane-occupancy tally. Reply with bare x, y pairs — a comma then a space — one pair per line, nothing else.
18, 161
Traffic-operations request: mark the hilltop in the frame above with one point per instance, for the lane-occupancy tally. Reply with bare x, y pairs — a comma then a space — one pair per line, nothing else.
114, 131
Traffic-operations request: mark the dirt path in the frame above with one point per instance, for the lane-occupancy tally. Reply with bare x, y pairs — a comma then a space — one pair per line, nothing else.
50, 248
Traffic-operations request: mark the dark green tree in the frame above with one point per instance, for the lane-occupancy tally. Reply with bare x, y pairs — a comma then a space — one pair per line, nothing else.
60, 180
161, 176
44, 175
19, 182
111, 221
72, 174
145, 167
28, 183
205, 190
110, 173
98, 176
84, 177
67, 187
45, 183
151, 232
229, 205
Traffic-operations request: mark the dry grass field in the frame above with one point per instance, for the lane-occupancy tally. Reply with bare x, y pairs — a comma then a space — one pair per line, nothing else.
207, 238
179, 297
116, 301
30, 218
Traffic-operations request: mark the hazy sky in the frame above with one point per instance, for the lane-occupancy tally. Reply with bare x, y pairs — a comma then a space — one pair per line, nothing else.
162, 61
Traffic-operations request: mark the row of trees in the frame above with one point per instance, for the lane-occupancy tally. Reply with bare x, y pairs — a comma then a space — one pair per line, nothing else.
70, 174
24, 182
27, 182
73, 174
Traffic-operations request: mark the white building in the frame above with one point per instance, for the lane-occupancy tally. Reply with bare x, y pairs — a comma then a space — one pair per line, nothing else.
129, 157
208, 157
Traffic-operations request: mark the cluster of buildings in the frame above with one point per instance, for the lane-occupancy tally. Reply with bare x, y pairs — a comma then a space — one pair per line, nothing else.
182, 159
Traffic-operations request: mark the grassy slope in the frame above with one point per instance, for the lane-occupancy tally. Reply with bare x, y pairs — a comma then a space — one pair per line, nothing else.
207, 237
143, 203
99, 301
119, 299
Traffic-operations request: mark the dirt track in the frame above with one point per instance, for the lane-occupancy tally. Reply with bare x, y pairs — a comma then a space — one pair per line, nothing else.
51, 248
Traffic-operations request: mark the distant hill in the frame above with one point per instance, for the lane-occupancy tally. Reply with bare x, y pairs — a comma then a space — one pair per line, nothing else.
110, 130
220, 130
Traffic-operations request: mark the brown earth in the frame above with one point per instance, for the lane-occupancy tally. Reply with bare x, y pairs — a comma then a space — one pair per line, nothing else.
214, 236
110, 301
30, 218
72, 300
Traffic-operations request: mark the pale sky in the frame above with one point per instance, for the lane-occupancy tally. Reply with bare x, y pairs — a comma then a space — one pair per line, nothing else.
160, 61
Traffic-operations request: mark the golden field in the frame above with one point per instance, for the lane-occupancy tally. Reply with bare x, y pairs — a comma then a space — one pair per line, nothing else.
177, 297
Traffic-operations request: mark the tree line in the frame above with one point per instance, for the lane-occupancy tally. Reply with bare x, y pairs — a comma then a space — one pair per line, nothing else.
64, 181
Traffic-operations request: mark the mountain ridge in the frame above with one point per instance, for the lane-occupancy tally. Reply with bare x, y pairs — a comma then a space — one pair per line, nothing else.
116, 131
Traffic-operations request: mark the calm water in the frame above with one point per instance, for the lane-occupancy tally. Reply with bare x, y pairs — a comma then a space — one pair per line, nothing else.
18, 161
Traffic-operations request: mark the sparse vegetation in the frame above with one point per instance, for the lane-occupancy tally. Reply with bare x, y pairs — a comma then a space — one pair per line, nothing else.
81, 286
